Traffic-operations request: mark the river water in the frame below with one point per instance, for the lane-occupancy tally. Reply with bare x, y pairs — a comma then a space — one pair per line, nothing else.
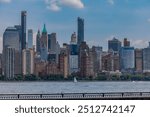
71, 87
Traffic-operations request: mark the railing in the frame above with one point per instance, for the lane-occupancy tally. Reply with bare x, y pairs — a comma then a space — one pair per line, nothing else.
116, 95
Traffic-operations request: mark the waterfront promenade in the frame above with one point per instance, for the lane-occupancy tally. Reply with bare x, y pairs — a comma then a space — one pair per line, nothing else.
79, 96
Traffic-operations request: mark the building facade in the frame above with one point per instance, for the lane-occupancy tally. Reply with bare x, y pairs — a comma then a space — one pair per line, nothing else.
97, 59
73, 38
110, 62
52, 43
73, 55
85, 58
146, 59
9, 63
38, 37
80, 30
114, 45
54, 47
30, 38
28, 56
139, 60
126, 42
127, 59
12, 43
23, 27
44, 44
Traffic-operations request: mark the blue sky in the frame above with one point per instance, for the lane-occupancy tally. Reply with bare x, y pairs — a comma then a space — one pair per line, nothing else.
104, 19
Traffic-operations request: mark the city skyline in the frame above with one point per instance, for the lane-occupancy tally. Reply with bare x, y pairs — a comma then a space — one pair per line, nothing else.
116, 18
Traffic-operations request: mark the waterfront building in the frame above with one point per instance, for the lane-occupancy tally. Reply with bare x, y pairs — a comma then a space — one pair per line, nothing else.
114, 45
9, 62
139, 60
110, 62
40, 68
52, 68
51, 58
146, 59
126, 42
85, 64
80, 30
30, 38
73, 64
23, 28
38, 37
28, 56
64, 62
97, 59
127, 59
12, 43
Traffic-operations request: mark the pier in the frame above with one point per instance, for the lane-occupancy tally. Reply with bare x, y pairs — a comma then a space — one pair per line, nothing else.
79, 96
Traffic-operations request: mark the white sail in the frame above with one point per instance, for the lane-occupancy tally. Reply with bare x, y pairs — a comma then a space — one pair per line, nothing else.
75, 80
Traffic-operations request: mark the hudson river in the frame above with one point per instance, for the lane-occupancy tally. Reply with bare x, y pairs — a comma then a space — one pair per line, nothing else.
71, 87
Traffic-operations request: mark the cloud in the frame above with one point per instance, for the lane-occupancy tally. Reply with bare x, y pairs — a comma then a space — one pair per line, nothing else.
5, 1
111, 2
139, 43
56, 5
148, 20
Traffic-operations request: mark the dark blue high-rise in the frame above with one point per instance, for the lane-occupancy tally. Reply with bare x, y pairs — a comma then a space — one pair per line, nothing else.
23, 27
80, 30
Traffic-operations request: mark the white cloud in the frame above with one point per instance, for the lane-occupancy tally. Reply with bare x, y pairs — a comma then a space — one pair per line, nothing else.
5, 1
139, 43
148, 20
55, 5
110, 2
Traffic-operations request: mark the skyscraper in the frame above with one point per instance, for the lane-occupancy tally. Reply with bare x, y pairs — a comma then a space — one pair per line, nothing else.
28, 61
49, 42
146, 59
23, 26
11, 44
80, 30
63, 62
138, 60
54, 47
110, 62
114, 45
18, 27
127, 58
11, 38
85, 64
126, 42
73, 38
53, 41
38, 37
9, 62
30, 38
73, 56
44, 44
97, 58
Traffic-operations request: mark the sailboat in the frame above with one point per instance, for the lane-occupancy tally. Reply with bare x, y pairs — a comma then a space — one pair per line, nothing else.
75, 80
